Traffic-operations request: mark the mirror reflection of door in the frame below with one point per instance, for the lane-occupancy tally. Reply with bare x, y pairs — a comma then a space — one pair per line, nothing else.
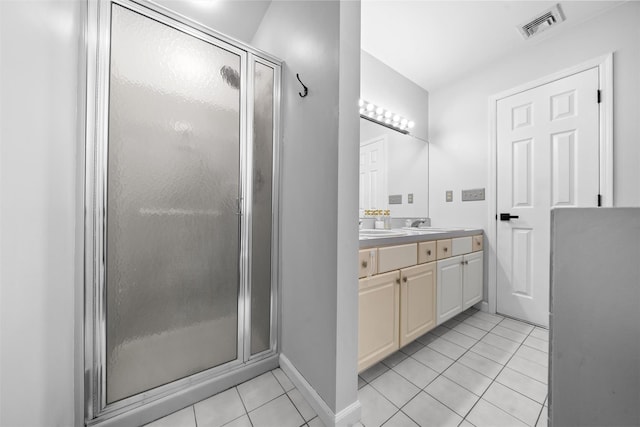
373, 173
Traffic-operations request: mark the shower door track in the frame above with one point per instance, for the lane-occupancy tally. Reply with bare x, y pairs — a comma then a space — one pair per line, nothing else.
151, 403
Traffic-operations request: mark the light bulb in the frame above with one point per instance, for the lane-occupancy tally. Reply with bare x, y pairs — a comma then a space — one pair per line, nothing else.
361, 111
379, 110
387, 121
411, 124
396, 118
370, 107
388, 114
371, 114
360, 103
403, 122
379, 118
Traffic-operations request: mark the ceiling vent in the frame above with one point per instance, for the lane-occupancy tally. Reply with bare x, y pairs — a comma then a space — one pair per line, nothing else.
547, 19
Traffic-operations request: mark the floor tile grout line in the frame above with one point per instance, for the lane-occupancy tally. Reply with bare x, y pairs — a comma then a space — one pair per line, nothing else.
511, 354
260, 406
539, 415
494, 380
442, 374
439, 373
304, 420
438, 376
243, 405
195, 418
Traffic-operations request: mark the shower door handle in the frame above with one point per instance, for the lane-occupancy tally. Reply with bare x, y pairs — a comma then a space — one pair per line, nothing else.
239, 206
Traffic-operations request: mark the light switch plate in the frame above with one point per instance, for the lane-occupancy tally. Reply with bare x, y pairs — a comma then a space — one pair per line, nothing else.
449, 196
410, 198
472, 195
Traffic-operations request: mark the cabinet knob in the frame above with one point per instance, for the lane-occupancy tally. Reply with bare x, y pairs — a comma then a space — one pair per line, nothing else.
364, 264
404, 279
428, 252
398, 281
445, 249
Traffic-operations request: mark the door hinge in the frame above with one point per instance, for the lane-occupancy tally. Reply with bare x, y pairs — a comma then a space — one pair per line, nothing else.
599, 200
599, 96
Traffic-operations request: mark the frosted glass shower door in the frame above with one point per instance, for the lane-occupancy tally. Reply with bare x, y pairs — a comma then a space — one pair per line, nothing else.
173, 228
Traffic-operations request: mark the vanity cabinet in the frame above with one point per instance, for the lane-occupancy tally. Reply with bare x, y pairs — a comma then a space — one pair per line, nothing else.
417, 301
426, 252
408, 289
472, 279
367, 262
459, 282
378, 319
396, 257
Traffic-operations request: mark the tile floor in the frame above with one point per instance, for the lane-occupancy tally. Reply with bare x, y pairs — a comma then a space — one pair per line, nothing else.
477, 370
270, 400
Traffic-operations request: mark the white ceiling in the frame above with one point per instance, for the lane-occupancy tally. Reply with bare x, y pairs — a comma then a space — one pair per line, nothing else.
435, 42
235, 18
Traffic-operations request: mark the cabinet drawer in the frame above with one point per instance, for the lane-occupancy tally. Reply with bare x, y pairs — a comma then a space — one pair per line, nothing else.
477, 243
367, 262
396, 257
426, 252
443, 249
460, 246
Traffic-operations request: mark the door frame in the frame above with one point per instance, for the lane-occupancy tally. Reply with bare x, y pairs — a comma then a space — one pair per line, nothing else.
90, 402
604, 64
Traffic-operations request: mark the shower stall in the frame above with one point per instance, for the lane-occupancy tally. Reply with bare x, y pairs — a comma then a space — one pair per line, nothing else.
181, 218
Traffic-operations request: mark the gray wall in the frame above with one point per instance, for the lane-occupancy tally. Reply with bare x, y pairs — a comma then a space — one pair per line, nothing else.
39, 45
319, 191
459, 125
459, 117
595, 296
383, 85
40, 183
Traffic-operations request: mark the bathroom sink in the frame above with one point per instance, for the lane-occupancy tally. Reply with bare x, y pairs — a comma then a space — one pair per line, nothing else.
381, 233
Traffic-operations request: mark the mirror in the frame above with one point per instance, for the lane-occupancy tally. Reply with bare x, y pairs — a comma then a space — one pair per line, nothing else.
394, 171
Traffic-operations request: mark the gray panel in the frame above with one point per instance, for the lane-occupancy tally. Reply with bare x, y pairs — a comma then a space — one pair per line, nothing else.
172, 224
595, 313
261, 212
471, 195
395, 199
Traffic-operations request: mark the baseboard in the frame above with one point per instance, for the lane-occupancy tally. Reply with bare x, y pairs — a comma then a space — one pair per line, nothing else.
483, 306
349, 416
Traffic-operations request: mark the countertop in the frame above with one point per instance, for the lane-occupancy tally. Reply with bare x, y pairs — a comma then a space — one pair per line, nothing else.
417, 235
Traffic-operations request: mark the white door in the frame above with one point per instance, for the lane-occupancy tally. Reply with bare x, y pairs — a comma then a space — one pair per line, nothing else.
373, 174
547, 156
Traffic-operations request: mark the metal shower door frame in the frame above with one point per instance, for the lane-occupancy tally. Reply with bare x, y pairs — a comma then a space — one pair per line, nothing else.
97, 37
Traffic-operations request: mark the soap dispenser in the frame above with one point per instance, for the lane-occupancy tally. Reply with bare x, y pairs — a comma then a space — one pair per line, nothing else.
379, 224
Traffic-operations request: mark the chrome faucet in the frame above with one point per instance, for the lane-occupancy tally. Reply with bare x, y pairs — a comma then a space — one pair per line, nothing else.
417, 223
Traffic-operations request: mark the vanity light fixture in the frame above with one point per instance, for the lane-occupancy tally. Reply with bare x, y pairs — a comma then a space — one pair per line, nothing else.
384, 117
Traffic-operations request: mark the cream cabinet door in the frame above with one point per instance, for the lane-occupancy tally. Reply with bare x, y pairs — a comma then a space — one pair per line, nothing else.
472, 278
417, 301
379, 317
449, 279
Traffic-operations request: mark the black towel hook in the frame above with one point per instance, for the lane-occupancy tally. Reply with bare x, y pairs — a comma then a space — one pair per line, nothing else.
306, 90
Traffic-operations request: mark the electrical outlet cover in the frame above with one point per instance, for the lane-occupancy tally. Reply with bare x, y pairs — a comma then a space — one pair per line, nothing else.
449, 196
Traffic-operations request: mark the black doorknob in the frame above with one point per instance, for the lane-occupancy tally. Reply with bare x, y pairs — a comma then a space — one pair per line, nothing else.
507, 216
